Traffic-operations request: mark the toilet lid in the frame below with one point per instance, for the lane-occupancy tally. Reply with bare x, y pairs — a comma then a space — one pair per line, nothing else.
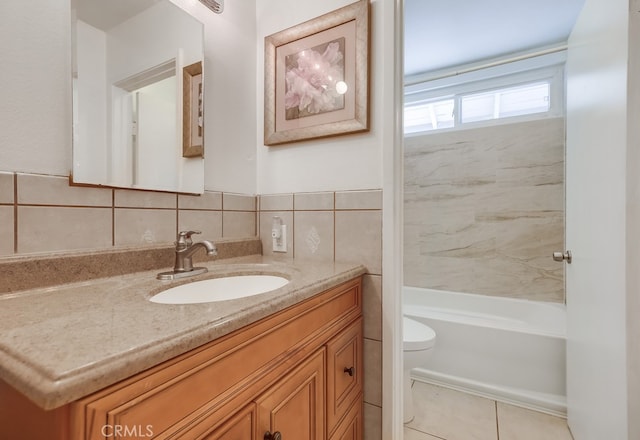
416, 335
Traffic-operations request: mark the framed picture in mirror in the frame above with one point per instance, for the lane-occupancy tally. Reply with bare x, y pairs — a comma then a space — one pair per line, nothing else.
317, 77
192, 111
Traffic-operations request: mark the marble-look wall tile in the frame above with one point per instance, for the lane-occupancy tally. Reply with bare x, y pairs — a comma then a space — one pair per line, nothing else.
484, 210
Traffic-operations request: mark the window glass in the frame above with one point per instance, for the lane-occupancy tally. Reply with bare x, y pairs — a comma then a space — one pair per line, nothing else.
425, 116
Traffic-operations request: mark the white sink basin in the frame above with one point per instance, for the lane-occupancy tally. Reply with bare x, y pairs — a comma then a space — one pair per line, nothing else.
219, 289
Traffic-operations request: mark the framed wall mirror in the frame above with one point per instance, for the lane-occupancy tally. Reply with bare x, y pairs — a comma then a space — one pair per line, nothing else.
129, 63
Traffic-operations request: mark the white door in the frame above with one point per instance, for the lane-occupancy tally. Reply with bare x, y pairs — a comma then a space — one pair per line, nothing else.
595, 210
155, 162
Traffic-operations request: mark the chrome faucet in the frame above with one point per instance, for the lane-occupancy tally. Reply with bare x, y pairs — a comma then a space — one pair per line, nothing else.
185, 248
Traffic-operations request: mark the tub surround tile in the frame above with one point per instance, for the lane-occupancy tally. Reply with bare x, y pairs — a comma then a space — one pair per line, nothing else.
313, 235
56, 191
276, 202
238, 202
368, 199
210, 200
34, 271
6, 188
37, 328
516, 423
237, 224
318, 201
452, 415
49, 229
144, 199
484, 210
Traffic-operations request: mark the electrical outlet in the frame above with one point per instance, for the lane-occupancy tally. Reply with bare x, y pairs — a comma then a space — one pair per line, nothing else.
279, 239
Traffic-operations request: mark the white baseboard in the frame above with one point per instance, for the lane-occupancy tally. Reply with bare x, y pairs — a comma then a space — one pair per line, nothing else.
547, 403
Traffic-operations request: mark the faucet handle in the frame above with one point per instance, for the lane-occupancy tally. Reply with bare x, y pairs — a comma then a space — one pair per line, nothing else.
184, 239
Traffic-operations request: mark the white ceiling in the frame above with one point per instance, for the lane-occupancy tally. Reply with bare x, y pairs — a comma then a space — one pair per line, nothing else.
441, 34
105, 14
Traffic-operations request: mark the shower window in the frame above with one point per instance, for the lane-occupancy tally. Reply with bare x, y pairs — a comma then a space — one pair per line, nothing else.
488, 96
430, 115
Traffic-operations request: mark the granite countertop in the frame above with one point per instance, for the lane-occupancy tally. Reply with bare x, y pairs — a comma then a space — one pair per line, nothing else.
61, 343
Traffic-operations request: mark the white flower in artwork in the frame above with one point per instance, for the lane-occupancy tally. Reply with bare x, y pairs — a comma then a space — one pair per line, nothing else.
314, 80
313, 240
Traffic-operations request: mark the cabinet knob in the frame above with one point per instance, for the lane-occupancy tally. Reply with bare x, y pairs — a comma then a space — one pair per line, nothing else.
275, 436
349, 371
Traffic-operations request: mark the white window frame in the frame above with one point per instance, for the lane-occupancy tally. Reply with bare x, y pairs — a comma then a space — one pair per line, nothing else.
549, 68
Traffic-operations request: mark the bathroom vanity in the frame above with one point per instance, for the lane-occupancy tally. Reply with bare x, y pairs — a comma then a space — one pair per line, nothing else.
281, 365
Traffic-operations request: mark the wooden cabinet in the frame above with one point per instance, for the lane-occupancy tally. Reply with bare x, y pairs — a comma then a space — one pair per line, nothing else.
297, 372
295, 405
344, 373
241, 426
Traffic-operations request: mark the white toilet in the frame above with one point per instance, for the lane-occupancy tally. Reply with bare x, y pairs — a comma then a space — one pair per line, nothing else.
418, 341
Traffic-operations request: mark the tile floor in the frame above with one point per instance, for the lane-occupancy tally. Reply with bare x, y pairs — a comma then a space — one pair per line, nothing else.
445, 414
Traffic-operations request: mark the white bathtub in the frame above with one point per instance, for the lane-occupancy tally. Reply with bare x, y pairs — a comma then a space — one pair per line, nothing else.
506, 349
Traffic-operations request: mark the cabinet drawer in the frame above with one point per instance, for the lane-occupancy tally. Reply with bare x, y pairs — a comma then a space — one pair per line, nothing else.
344, 372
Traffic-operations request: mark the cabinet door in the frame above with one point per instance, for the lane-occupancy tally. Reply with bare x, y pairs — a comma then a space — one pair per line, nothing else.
294, 406
344, 373
239, 427
350, 428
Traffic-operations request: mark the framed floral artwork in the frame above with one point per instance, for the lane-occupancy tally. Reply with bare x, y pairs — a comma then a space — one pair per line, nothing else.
192, 111
317, 77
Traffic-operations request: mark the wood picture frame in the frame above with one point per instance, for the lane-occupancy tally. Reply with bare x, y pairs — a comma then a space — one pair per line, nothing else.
192, 111
316, 79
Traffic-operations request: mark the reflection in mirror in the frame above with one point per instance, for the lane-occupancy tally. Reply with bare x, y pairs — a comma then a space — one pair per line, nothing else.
128, 61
